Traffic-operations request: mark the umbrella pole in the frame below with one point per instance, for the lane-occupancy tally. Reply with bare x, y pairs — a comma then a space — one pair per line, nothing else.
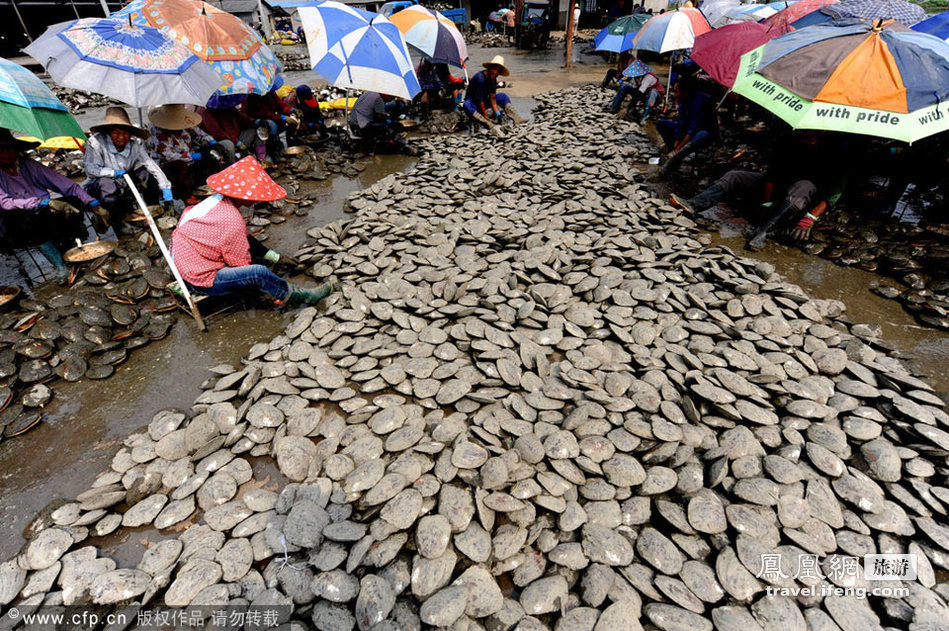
20, 17
668, 84
165, 253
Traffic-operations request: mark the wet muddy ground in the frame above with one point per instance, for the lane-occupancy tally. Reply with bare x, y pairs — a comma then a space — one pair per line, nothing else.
86, 423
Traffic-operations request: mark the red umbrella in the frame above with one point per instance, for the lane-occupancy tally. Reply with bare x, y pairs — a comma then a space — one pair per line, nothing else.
781, 21
719, 52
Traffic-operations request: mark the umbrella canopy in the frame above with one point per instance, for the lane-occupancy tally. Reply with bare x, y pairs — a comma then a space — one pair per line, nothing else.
352, 48
27, 105
135, 64
714, 10
937, 25
781, 21
432, 35
56, 142
617, 37
889, 82
719, 52
900, 10
674, 30
244, 62
636, 68
748, 13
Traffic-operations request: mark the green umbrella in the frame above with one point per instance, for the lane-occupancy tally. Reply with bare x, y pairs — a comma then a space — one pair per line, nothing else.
28, 106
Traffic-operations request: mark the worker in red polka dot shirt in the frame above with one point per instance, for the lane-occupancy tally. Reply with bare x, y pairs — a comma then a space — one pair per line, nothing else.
211, 247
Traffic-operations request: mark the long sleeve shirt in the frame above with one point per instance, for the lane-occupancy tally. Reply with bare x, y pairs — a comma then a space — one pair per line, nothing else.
225, 123
102, 159
210, 236
33, 184
697, 113
427, 77
480, 89
165, 145
268, 106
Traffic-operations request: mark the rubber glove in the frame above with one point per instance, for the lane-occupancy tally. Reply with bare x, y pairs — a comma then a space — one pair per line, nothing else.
44, 203
93, 203
118, 173
166, 195
196, 157
212, 142
283, 117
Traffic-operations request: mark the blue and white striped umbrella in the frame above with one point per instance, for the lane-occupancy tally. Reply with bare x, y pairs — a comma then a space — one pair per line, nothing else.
357, 49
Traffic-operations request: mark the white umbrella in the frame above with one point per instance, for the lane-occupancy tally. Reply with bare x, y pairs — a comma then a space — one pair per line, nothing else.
138, 65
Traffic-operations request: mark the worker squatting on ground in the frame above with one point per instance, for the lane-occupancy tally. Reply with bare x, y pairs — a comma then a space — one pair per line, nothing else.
646, 88
483, 102
808, 169
183, 150
30, 215
212, 250
115, 148
695, 125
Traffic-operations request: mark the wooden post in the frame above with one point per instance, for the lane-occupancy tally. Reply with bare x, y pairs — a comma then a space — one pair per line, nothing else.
519, 9
569, 33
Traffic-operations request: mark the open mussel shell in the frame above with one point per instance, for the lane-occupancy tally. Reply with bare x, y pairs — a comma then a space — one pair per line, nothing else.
89, 251
23, 423
9, 295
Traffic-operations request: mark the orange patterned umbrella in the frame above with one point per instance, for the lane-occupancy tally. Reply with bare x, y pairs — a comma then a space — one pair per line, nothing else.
237, 53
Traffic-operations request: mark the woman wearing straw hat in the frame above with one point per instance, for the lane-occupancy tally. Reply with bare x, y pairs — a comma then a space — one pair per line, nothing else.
28, 216
483, 102
182, 149
211, 248
115, 148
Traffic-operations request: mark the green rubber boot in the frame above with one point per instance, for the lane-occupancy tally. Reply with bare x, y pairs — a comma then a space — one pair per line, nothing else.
303, 295
51, 252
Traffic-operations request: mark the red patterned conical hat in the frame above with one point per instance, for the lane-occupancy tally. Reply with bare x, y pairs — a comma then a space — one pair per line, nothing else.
246, 179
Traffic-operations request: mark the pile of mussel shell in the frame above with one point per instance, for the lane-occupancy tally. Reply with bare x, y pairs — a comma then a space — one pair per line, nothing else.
541, 400
79, 100
117, 304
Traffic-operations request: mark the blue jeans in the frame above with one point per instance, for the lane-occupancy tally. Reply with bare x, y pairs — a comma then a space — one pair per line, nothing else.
502, 99
624, 90
234, 279
700, 139
667, 128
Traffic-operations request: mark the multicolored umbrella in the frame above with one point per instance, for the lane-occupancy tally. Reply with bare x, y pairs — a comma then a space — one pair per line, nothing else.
719, 52
860, 78
618, 36
27, 105
781, 21
233, 49
432, 35
749, 13
138, 65
937, 25
636, 68
673, 30
906, 12
357, 49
